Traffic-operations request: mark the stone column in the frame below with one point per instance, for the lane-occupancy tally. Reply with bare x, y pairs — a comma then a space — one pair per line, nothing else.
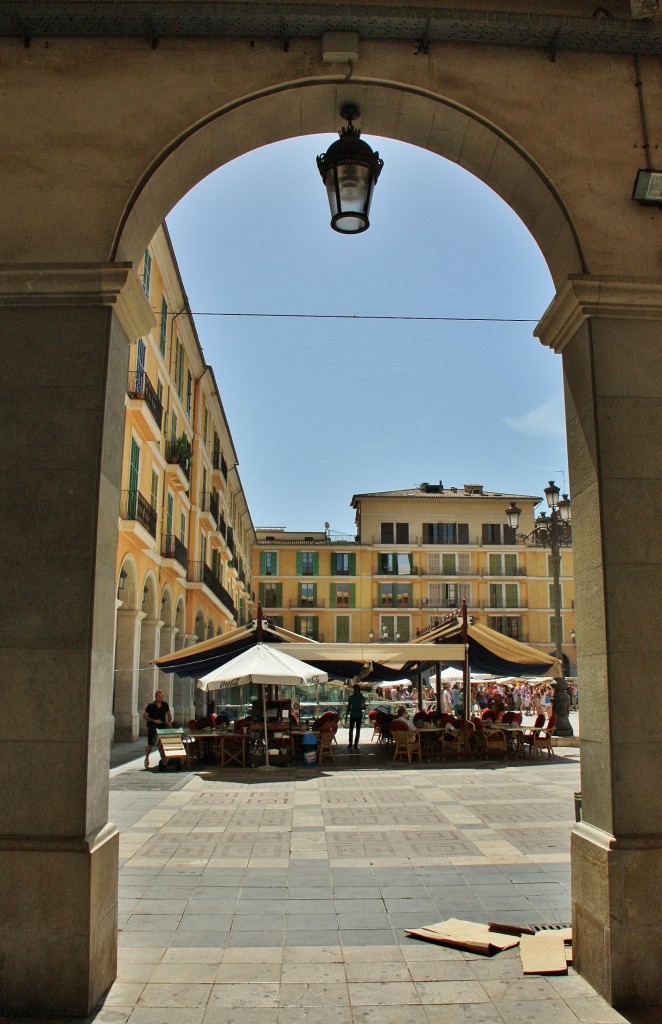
166, 679
64, 333
148, 677
127, 667
609, 332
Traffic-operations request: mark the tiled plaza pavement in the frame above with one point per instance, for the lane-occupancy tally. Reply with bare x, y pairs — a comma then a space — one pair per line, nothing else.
254, 897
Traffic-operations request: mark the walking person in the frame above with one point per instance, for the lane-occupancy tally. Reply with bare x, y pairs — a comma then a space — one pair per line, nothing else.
355, 709
157, 715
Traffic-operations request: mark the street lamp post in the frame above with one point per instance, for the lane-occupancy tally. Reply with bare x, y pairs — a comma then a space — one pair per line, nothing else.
553, 530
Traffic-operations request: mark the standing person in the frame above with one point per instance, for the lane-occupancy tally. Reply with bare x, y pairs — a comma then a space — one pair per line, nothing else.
355, 709
446, 702
457, 698
157, 714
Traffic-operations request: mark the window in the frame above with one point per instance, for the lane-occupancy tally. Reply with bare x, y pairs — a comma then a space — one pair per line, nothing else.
386, 595
154, 495
307, 563
511, 567
182, 527
387, 535
491, 533
495, 565
394, 564
147, 272
434, 564
445, 533
270, 595
307, 595
395, 627
189, 392
448, 565
159, 392
169, 514
342, 629
464, 563
552, 601
552, 630
307, 625
164, 326
343, 563
205, 425
509, 625
179, 369
402, 595
203, 549
504, 595
268, 563
341, 595
394, 533
393, 595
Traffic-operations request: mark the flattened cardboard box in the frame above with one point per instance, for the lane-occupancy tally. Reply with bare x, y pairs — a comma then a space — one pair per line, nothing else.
475, 938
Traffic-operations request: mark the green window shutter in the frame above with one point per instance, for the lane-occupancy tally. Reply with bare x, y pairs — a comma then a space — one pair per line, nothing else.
263, 566
352, 595
164, 326
316, 563
332, 595
170, 509
261, 594
297, 623
299, 563
300, 594
279, 595
342, 629
334, 568
410, 594
495, 565
448, 565
411, 562
511, 565
352, 564
512, 595
403, 628
315, 594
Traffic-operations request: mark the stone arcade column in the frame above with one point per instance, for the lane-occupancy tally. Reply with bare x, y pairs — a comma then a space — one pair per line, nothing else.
127, 668
148, 679
165, 680
64, 333
609, 332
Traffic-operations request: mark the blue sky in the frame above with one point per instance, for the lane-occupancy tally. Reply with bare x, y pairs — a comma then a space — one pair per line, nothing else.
321, 409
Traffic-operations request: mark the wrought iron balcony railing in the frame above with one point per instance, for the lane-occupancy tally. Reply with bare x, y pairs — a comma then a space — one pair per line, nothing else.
173, 548
133, 506
140, 386
199, 572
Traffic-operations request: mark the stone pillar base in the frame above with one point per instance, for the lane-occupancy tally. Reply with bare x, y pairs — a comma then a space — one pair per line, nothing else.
617, 915
58, 928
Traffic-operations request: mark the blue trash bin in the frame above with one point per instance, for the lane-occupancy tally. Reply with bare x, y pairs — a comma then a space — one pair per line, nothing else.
309, 749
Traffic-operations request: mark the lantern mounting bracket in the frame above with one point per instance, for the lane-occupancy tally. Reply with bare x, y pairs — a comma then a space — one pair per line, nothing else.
349, 112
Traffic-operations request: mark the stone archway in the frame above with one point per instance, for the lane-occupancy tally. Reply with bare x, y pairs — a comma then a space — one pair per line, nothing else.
70, 236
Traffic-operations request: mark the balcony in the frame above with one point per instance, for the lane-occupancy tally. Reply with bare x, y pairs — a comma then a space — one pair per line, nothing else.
178, 468
136, 508
172, 547
307, 605
209, 507
199, 572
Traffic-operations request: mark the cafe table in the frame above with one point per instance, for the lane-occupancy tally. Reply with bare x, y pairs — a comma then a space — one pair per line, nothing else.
514, 736
430, 736
219, 745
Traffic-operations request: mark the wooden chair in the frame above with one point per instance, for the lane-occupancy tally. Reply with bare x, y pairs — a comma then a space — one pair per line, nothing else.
543, 740
529, 737
497, 742
403, 748
325, 748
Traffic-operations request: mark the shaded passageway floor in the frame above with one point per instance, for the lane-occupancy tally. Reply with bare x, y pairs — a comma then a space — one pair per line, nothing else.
253, 897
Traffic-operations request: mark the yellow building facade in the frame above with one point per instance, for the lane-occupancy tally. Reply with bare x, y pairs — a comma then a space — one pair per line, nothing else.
417, 554
186, 536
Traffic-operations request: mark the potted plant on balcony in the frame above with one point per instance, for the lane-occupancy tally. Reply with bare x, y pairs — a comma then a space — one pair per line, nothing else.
179, 449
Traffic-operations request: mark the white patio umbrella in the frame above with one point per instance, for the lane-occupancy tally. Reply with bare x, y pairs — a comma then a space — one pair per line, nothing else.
262, 665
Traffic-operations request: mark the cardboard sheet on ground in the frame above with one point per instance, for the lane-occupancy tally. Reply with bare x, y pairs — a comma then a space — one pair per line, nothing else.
475, 938
543, 953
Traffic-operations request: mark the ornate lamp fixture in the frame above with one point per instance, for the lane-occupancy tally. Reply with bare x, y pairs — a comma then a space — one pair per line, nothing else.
349, 170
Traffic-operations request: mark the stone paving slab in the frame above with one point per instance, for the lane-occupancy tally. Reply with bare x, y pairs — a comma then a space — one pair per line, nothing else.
249, 897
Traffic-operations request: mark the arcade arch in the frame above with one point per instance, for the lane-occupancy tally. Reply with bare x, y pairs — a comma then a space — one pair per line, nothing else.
567, 169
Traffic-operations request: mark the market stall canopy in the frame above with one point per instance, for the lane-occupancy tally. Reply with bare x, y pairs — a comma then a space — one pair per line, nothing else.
340, 661
489, 651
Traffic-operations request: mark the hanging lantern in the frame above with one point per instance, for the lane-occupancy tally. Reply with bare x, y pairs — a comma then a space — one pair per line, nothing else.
349, 170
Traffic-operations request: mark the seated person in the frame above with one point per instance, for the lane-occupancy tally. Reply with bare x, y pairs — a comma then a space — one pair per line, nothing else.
327, 722
402, 722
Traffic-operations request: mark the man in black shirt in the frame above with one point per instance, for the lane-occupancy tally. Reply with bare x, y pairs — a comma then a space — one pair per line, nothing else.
157, 715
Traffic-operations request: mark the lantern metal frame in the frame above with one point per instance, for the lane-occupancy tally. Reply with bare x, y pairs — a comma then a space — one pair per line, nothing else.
349, 149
